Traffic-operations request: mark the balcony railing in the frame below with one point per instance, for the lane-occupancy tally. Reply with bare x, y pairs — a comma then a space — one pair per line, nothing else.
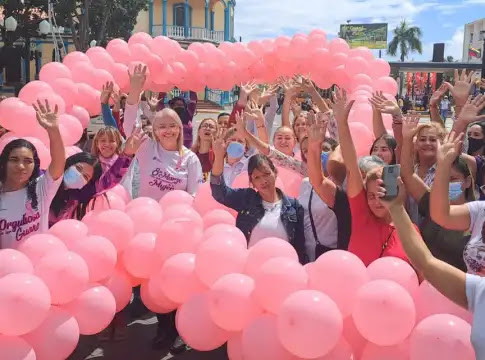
193, 33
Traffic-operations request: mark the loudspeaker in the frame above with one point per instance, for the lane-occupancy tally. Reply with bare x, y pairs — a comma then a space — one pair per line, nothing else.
439, 52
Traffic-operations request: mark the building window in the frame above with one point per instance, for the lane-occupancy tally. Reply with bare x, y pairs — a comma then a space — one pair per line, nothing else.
471, 37
179, 15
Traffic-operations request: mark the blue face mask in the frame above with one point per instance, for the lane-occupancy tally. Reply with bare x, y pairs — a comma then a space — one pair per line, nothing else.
235, 150
454, 191
324, 157
73, 179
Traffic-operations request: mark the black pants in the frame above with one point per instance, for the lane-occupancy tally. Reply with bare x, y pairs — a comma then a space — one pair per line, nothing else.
166, 323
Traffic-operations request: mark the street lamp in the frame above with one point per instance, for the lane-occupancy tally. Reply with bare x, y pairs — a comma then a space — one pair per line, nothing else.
10, 24
44, 27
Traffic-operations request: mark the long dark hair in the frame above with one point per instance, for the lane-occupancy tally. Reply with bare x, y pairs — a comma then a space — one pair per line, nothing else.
258, 160
62, 196
482, 126
461, 166
31, 183
391, 144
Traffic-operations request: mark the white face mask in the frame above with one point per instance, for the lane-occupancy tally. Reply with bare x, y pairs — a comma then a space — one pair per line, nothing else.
73, 179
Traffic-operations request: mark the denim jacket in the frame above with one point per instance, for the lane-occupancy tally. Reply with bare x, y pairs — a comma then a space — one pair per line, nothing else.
248, 204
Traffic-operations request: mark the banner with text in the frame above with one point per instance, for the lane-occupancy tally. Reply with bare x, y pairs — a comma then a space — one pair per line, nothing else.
373, 36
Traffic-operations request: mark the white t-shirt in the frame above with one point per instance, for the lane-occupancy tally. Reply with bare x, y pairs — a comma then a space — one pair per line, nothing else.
270, 225
162, 171
232, 171
323, 217
18, 219
475, 294
445, 104
474, 253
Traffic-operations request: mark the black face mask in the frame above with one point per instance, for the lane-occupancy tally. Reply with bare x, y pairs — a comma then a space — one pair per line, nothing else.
181, 113
474, 145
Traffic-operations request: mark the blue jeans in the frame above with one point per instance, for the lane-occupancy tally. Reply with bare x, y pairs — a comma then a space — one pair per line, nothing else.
444, 113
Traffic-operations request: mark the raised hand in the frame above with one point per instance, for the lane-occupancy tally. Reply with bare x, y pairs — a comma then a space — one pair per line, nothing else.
116, 96
396, 202
450, 149
152, 101
317, 130
106, 92
138, 77
47, 118
247, 89
341, 108
307, 85
219, 145
410, 125
290, 87
267, 94
438, 95
384, 105
241, 123
472, 108
134, 141
255, 113
296, 108
461, 88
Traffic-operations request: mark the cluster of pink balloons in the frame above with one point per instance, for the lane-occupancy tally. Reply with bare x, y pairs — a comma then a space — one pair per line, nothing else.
188, 256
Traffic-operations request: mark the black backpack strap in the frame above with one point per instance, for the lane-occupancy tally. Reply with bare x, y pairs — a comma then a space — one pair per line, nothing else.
314, 230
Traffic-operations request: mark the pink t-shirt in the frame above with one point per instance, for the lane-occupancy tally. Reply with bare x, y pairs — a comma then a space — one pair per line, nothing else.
18, 220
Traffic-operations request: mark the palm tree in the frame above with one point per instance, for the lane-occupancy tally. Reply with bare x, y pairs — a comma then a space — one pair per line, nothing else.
450, 58
406, 39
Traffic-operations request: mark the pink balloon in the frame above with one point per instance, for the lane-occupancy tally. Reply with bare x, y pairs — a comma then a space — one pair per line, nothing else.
107, 201
142, 202
16, 348
81, 114
189, 58
292, 181
227, 231
13, 261
72, 150
93, 309
379, 68
363, 52
317, 40
71, 129
276, 280
430, 301
69, 231
7, 138
120, 53
305, 313
344, 283
82, 72
66, 275
99, 254
114, 225
384, 312
120, 286
88, 98
100, 78
75, 57
39, 245
177, 278
102, 60
217, 257
140, 258
57, 336
176, 197
145, 219
30, 92
395, 269
94, 50
182, 211
234, 347
155, 298
12, 109
66, 89
267, 249
356, 65
442, 336
139, 52
359, 80
24, 303
140, 38
121, 192
218, 216
395, 352
338, 45
362, 137
178, 236
260, 340
120, 76
342, 351
230, 302
386, 84
54, 70
196, 327
353, 337
204, 202
114, 43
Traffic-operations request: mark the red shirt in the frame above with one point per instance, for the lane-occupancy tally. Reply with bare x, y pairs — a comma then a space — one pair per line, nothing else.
369, 234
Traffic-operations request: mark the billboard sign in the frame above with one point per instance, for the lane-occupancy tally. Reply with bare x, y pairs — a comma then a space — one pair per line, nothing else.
373, 36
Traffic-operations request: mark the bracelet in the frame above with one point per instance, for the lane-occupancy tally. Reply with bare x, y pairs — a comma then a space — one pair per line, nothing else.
259, 127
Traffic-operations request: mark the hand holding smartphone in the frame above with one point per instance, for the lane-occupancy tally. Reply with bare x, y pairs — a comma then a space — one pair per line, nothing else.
390, 174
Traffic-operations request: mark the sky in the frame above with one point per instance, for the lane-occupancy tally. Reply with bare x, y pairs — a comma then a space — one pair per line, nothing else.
439, 20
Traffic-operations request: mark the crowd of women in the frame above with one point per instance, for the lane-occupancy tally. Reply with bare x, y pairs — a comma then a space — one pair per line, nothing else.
435, 223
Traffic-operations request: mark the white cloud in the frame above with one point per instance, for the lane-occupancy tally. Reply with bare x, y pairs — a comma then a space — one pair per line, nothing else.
454, 46
257, 19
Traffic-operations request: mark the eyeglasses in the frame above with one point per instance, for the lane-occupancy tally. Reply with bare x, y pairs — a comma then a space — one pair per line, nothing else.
207, 126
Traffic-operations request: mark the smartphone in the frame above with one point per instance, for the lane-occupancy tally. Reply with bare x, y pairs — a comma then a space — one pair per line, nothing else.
390, 173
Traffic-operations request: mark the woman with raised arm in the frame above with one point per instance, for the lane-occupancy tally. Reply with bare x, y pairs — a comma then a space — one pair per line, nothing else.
202, 146
467, 217
263, 210
446, 245
165, 163
466, 290
25, 193
379, 238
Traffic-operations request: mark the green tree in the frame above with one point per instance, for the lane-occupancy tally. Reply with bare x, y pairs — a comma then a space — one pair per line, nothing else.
450, 58
405, 41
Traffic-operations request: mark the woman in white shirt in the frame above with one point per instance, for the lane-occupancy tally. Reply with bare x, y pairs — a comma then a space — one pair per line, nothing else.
466, 290
25, 194
164, 163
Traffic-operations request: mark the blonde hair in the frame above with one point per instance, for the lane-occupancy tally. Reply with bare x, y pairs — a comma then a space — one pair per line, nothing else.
440, 134
112, 133
169, 113
196, 146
